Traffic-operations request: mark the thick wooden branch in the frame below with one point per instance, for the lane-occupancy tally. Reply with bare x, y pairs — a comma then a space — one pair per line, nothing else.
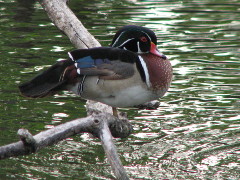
96, 124
68, 23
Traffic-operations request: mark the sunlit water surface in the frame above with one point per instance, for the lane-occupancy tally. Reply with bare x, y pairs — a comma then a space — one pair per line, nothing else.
194, 134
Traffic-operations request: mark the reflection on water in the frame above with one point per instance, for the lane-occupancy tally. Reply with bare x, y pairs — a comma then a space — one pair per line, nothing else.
194, 134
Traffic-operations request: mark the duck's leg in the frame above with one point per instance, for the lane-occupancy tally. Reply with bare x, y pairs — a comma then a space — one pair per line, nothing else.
115, 113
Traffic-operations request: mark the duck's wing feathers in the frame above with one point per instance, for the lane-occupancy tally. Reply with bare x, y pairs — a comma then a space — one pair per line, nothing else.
107, 63
48, 81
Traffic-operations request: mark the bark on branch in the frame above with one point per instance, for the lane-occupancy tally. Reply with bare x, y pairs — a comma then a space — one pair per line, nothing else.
68, 23
94, 124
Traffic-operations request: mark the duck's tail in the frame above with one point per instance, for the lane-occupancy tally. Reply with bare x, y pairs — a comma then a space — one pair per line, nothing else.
48, 82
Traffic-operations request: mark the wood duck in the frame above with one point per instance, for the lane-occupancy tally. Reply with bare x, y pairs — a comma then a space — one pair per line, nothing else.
130, 72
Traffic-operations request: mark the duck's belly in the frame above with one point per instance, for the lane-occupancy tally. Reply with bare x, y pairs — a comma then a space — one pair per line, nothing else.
128, 97
116, 93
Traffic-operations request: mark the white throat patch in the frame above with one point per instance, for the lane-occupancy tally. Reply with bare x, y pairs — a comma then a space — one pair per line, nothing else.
145, 69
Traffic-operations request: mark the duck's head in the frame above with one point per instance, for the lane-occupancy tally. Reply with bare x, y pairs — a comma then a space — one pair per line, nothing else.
136, 39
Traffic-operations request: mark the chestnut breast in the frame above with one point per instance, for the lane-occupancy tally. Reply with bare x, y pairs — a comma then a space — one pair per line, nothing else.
160, 71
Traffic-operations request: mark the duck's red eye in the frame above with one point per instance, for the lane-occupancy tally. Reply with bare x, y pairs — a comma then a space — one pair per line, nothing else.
143, 39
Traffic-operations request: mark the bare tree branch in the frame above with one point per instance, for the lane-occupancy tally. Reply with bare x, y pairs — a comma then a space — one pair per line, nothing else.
93, 124
111, 152
67, 22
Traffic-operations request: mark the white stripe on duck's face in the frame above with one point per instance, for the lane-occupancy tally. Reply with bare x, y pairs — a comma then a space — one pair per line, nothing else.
135, 41
125, 43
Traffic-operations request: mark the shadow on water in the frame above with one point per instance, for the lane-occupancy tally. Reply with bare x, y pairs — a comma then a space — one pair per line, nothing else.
194, 134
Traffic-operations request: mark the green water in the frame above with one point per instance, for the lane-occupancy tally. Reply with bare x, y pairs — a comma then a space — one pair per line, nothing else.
194, 134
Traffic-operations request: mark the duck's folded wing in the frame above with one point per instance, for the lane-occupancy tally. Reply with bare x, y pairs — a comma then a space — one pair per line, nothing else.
107, 63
